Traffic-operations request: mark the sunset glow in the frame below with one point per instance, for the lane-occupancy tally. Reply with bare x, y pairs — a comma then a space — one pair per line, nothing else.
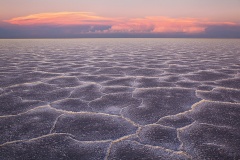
137, 25
107, 18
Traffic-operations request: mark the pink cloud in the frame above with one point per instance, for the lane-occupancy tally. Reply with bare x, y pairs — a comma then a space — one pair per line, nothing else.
165, 24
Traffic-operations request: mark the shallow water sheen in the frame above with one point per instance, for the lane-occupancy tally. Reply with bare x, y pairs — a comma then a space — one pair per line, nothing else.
144, 99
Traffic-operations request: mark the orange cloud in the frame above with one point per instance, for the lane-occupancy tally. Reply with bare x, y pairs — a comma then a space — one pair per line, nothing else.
137, 25
61, 18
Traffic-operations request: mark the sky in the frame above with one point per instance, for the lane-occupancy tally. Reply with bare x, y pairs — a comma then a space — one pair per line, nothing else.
119, 18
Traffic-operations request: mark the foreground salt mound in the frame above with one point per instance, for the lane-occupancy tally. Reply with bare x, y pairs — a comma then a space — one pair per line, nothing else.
114, 103
40, 94
13, 104
146, 82
217, 113
66, 81
94, 127
207, 76
146, 72
71, 104
133, 150
158, 135
221, 94
94, 78
34, 123
203, 141
176, 121
116, 89
230, 83
54, 146
215, 132
87, 92
159, 102
119, 82
108, 71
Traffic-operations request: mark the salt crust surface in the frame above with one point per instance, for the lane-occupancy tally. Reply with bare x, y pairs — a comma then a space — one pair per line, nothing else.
110, 99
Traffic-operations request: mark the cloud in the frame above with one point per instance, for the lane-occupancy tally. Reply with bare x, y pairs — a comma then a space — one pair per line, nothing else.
61, 18
166, 25
86, 24
159, 25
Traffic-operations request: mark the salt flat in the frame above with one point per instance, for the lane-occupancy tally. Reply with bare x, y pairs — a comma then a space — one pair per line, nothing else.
120, 99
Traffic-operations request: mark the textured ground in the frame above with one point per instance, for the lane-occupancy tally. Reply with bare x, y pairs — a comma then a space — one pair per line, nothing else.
120, 99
